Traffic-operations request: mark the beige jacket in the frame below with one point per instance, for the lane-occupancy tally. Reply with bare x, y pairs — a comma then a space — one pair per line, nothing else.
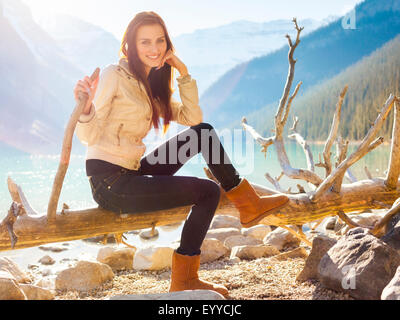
121, 117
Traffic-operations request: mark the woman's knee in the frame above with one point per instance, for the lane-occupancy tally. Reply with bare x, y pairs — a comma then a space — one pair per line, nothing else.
210, 190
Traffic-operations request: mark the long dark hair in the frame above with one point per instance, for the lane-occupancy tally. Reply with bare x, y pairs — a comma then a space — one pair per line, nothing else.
158, 84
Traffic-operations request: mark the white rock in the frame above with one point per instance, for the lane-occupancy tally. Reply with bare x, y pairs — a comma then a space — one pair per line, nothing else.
240, 240
149, 234
54, 248
330, 223
211, 250
253, 252
222, 233
47, 260
258, 232
12, 268
46, 272
392, 290
85, 276
366, 219
224, 221
117, 258
153, 258
179, 295
280, 239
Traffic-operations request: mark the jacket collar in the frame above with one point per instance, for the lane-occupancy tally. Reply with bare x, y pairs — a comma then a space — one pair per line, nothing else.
123, 63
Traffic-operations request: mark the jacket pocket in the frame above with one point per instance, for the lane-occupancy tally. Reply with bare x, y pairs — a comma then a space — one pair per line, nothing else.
120, 127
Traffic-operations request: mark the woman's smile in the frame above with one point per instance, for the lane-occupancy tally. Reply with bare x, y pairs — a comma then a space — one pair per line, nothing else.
154, 57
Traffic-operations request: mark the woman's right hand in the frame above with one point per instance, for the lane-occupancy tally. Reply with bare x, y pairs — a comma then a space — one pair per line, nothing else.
87, 87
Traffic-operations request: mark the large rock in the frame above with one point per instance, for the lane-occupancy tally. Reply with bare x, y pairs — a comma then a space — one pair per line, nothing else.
392, 290
359, 264
179, 295
258, 232
222, 233
253, 252
153, 258
281, 239
211, 250
117, 259
221, 221
320, 246
85, 276
392, 236
36, 293
10, 290
240, 240
9, 266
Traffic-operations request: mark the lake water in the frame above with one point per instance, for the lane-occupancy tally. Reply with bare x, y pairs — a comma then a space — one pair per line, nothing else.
35, 174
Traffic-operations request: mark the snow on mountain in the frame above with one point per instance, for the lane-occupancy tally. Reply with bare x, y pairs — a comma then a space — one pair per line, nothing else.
86, 45
37, 83
208, 53
212, 52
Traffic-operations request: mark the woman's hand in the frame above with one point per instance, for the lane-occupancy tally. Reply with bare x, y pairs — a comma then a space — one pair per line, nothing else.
175, 62
87, 87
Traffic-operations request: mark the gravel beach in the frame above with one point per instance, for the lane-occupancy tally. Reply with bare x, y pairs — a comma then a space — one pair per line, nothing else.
260, 279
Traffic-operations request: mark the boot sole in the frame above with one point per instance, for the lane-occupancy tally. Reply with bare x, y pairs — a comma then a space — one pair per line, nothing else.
254, 222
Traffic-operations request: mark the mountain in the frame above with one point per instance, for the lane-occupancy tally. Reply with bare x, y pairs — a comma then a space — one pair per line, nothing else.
321, 55
84, 44
370, 82
209, 53
37, 82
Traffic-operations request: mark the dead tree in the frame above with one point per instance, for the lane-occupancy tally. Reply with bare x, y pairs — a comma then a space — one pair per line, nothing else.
329, 196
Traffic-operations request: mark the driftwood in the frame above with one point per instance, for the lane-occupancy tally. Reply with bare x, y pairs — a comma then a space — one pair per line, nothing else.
329, 196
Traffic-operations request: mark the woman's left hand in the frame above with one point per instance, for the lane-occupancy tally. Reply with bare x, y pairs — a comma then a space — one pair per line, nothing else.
174, 62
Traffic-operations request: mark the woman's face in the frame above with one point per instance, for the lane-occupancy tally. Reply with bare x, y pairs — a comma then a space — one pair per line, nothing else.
151, 45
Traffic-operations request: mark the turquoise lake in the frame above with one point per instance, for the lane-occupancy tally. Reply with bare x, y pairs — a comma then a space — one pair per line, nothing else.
35, 174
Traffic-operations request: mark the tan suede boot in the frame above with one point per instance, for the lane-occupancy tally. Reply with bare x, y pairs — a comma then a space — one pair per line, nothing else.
251, 206
184, 275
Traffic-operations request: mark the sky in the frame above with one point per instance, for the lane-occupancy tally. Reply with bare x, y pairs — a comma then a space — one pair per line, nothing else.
185, 16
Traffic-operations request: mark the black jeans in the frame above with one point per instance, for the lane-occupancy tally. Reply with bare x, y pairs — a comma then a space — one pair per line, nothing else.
154, 187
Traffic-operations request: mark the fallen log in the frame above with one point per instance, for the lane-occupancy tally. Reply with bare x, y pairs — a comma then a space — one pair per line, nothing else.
80, 224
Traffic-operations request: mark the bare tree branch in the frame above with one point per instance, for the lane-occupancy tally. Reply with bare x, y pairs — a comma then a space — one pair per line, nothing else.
66, 153
362, 150
333, 133
394, 162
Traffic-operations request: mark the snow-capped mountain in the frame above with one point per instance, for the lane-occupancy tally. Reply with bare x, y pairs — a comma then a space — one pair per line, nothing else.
211, 52
208, 53
86, 45
36, 84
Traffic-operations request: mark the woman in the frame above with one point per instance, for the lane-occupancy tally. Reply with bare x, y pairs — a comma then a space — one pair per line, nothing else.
124, 104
